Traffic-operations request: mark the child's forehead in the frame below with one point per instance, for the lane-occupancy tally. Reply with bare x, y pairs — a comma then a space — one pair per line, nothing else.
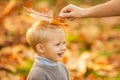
55, 35
53, 32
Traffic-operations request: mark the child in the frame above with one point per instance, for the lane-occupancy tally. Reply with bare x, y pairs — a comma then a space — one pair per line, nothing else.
48, 41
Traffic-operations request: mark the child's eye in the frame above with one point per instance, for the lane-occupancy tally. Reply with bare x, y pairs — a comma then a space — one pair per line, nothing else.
64, 42
57, 44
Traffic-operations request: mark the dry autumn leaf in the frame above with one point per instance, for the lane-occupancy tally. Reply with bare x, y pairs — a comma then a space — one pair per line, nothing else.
45, 16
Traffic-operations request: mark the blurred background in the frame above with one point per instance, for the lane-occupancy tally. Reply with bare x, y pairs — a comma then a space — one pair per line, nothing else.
93, 45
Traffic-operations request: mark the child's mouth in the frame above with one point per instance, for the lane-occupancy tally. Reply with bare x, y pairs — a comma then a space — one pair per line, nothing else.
60, 54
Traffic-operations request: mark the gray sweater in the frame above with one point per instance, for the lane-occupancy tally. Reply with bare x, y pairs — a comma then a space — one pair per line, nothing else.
41, 71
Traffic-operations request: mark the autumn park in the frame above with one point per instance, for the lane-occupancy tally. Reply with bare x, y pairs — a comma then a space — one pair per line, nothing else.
93, 44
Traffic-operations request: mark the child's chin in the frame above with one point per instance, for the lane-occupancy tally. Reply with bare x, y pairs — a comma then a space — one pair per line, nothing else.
59, 59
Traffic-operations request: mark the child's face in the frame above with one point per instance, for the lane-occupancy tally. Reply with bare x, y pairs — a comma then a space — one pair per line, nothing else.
55, 47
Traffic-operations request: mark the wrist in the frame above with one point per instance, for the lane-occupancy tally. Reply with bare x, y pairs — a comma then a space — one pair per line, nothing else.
85, 13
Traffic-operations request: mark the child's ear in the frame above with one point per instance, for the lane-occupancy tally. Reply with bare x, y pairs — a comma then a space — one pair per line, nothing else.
40, 48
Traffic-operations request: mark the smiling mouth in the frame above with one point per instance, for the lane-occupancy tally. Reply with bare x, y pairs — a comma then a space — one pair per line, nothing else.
60, 54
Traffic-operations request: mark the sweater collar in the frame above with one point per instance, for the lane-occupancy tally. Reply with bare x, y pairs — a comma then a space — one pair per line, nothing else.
45, 61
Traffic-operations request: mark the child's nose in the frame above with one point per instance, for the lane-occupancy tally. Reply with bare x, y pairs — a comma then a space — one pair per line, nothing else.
63, 48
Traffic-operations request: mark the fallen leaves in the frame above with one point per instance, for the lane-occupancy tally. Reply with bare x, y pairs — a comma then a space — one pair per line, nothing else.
92, 53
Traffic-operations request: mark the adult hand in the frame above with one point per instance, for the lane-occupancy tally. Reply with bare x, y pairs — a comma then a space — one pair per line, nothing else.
72, 11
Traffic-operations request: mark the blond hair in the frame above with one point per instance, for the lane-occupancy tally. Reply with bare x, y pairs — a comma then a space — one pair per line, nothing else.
37, 33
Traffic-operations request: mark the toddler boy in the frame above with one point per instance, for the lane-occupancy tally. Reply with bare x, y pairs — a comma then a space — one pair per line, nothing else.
48, 42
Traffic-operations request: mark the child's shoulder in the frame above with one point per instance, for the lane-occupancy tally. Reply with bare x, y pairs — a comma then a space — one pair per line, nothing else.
36, 73
63, 68
36, 67
61, 64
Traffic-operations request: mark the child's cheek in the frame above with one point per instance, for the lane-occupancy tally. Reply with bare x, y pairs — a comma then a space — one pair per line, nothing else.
57, 49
